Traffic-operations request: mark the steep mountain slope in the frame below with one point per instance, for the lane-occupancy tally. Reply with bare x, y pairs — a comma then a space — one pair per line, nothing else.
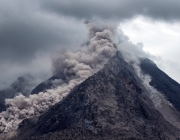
162, 82
108, 105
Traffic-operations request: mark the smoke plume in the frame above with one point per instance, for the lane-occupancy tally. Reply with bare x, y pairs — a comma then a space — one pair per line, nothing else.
76, 67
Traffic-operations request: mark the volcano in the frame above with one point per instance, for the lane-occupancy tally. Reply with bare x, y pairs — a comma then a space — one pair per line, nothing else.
111, 104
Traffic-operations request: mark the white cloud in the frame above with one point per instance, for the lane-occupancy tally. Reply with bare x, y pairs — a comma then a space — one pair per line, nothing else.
159, 38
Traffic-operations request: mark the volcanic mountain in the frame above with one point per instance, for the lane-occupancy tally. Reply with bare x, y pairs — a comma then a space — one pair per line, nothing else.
162, 82
111, 104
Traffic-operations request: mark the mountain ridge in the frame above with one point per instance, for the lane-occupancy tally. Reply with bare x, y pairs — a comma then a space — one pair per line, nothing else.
107, 105
162, 82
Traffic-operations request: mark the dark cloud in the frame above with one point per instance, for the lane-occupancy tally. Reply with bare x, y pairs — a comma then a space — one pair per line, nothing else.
24, 32
121, 9
27, 32
29, 28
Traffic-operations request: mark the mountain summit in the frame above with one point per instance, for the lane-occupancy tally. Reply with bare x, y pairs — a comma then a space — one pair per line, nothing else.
107, 105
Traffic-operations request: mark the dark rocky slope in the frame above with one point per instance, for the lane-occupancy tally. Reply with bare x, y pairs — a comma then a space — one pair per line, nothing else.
108, 105
162, 82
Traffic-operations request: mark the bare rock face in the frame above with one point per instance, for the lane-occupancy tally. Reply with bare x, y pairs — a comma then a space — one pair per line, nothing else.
108, 105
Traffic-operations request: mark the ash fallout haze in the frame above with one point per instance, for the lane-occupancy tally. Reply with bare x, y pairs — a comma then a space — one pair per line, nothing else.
48, 49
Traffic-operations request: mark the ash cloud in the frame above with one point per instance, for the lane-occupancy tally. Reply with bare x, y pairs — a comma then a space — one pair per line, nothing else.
51, 25
100, 47
131, 52
76, 67
43, 26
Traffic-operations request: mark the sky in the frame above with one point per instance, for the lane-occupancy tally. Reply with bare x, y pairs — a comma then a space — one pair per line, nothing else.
34, 32
159, 38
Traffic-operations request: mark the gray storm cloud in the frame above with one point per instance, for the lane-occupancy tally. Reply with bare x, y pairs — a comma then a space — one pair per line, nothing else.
75, 66
117, 9
29, 37
50, 25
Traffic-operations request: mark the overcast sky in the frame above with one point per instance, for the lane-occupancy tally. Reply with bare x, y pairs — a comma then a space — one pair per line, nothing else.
33, 31
159, 38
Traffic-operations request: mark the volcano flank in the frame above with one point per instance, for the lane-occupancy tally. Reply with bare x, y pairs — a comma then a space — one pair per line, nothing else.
111, 104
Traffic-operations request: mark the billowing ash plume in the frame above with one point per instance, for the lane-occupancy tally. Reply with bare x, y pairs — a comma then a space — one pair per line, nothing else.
76, 67
97, 50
